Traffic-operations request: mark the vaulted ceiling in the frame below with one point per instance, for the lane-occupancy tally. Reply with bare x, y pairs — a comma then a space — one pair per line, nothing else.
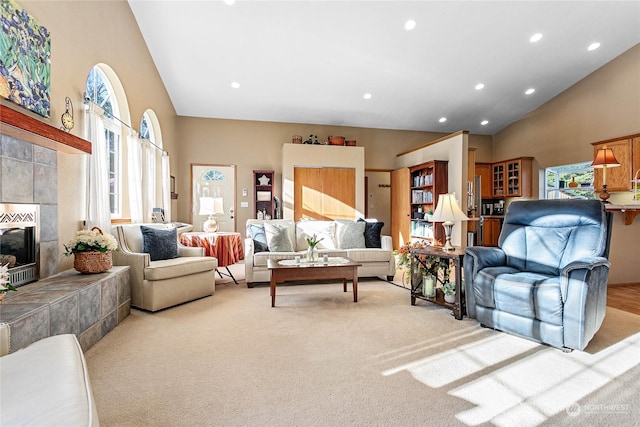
314, 61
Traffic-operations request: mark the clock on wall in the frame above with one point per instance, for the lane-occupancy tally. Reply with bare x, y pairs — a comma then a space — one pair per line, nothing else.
67, 116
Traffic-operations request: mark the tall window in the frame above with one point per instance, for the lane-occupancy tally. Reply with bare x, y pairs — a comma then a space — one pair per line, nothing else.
100, 92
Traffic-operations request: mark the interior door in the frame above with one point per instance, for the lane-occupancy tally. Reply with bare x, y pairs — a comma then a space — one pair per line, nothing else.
400, 208
216, 181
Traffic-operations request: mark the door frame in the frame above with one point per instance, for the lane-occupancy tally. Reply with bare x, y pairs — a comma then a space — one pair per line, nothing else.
196, 192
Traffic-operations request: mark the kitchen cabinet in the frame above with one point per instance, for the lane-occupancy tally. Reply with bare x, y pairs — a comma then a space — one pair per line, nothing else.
635, 155
618, 178
497, 181
491, 231
485, 171
512, 178
428, 181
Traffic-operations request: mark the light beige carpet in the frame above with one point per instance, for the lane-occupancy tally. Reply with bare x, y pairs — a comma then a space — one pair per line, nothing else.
318, 359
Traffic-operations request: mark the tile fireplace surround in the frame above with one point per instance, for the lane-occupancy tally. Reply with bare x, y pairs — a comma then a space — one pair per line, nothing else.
29, 174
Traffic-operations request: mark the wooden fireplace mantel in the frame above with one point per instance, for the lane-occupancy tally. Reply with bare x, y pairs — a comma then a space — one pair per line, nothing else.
26, 128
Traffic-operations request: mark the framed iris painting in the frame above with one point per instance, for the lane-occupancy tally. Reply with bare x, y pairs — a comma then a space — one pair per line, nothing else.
25, 59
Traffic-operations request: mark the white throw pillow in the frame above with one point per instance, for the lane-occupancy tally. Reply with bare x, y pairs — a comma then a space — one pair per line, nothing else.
278, 239
350, 234
325, 230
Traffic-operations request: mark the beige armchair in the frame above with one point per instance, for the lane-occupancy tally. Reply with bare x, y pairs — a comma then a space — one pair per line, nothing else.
166, 282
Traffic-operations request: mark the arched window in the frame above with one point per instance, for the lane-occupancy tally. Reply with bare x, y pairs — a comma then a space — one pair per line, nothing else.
100, 92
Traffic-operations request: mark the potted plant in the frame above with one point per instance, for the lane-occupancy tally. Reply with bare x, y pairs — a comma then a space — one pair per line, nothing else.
5, 286
428, 215
91, 250
428, 266
312, 251
449, 290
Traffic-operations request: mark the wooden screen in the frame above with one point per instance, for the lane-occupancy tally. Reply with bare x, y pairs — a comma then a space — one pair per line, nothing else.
324, 193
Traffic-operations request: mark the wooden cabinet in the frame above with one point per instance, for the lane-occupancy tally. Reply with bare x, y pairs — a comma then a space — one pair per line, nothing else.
428, 181
518, 177
512, 178
618, 178
491, 231
485, 171
497, 179
635, 155
263, 193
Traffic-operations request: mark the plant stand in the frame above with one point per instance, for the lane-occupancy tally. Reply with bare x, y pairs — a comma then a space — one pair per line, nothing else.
454, 256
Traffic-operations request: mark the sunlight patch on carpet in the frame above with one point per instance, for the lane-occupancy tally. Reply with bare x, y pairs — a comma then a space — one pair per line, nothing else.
544, 384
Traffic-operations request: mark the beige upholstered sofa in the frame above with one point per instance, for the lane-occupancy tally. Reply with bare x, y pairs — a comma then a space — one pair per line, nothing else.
376, 261
162, 283
45, 383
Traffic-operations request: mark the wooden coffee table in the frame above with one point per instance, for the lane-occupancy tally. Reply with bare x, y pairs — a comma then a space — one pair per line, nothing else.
336, 268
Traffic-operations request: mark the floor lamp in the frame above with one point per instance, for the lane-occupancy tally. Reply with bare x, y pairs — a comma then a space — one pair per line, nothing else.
604, 159
448, 212
211, 206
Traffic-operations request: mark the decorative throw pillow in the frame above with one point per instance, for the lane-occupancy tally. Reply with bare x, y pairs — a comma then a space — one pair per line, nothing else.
325, 231
350, 234
259, 238
372, 232
278, 239
159, 243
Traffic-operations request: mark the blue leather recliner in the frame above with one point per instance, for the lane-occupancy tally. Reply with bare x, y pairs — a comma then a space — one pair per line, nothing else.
547, 279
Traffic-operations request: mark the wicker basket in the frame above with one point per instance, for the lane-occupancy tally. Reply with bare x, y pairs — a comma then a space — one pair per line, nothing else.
92, 262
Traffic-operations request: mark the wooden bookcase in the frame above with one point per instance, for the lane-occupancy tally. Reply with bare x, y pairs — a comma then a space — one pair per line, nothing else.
428, 181
263, 192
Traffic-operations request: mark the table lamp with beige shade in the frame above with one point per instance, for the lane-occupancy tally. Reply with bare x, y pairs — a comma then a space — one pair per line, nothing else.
448, 212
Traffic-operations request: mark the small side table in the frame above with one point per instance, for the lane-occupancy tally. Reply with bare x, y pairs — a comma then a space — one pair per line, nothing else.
225, 246
456, 256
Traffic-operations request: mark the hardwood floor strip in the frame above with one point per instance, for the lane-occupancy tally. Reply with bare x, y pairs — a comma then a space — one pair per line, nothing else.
624, 297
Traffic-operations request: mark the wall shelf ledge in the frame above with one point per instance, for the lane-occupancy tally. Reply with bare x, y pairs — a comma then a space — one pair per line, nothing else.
630, 211
26, 128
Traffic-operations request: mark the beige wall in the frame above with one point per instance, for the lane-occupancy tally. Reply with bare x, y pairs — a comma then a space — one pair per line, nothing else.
258, 145
605, 104
83, 34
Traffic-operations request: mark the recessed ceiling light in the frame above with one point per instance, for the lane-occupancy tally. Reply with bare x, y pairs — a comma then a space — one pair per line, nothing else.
442, 119
535, 38
480, 86
229, 2
367, 95
529, 91
484, 122
593, 46
410, 25
235, 85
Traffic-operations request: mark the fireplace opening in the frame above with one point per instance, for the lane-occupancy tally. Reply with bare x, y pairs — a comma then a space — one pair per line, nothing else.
19, 242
